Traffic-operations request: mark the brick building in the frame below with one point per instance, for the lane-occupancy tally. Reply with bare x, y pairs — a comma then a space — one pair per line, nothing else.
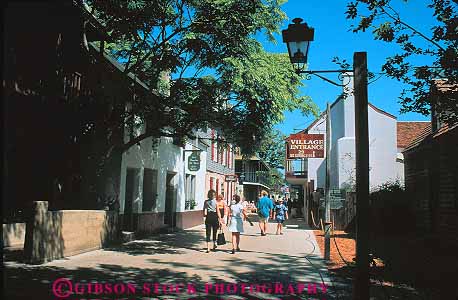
431, 176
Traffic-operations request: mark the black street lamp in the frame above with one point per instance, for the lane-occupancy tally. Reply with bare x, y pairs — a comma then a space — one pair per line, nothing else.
298, 37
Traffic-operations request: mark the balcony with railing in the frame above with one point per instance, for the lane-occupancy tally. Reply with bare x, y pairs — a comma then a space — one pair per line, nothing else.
296, 171
258, 177
252, 171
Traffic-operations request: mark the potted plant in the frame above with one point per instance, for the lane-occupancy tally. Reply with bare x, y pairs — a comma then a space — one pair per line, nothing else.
192, 204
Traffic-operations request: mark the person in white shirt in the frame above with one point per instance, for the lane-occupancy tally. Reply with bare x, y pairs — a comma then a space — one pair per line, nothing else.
244, 204
236, 216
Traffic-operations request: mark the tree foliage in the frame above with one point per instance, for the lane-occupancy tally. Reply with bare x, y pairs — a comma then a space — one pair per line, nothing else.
272, 149
272, 152
275, 180
439, 45
203, 58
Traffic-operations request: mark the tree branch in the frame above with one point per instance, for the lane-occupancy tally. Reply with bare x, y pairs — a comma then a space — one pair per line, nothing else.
141, 137
153, 49
398, 19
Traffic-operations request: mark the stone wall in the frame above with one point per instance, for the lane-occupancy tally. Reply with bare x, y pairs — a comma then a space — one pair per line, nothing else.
13, 235
55, 234
149, 222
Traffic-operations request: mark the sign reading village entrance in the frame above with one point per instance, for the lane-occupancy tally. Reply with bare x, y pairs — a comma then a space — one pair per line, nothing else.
305, 146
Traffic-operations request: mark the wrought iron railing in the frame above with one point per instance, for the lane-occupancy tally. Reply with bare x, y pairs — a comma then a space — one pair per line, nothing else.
296, 174
190, 204
261, 177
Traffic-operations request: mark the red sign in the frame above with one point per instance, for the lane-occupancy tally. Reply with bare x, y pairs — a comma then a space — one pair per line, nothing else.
305, 146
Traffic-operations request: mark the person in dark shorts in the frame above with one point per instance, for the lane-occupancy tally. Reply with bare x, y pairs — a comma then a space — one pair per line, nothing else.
212, 221
280, 215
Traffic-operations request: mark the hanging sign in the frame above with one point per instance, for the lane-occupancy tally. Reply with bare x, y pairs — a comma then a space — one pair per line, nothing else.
231, 178
194, 161
305, 146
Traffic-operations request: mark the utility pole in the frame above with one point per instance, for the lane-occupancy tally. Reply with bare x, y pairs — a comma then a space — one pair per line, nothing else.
327, 201
361, 283
305, 189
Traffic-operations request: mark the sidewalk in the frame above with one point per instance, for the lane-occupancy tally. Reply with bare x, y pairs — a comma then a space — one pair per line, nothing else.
180, 258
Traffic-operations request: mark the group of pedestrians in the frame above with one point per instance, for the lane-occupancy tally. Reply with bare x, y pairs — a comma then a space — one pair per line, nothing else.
267, 208
218, 215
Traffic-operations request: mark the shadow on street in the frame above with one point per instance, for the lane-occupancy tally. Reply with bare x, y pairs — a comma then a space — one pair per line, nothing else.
268, 268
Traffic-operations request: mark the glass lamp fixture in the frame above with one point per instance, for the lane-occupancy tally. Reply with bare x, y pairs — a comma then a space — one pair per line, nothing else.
298, 37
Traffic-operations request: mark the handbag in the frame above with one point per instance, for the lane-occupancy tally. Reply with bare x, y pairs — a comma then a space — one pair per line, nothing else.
221, 239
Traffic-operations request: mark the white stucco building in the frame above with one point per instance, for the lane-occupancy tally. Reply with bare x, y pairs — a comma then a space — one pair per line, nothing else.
383, 149
157, 188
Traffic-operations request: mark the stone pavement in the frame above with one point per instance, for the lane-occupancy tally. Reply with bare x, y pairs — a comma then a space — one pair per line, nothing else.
180, 257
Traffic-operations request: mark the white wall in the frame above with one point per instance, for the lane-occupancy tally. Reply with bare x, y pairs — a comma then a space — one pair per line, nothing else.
400, 171
338, 125
346, 163
200, 195
167, 158
382, 147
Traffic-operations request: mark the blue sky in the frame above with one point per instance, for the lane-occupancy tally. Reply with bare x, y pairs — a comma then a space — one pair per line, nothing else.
333, 38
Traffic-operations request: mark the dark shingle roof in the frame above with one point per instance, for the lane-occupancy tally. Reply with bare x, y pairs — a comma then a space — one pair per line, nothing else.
425, 134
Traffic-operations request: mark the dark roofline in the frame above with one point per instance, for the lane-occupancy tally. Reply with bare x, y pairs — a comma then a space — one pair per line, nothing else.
101, 29
424, 135
110, 59
427, 135
382, 111
313, 123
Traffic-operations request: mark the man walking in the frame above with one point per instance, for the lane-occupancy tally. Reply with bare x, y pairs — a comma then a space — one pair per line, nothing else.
264, 211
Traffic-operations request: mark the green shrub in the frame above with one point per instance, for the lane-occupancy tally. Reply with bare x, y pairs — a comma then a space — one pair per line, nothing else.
390, 209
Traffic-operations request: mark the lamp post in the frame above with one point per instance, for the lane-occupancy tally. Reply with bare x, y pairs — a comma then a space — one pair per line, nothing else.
298, 37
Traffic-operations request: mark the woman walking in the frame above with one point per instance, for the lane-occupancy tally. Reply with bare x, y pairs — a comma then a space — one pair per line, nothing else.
222, 209
236, 214
212, 222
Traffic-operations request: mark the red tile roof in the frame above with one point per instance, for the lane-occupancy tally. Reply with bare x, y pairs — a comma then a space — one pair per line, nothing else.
426, 135
407, 132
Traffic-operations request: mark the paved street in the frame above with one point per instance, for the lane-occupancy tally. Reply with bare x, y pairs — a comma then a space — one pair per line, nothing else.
180, 258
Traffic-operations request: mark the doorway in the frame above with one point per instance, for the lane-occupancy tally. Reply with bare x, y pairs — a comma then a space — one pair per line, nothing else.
170, 199
149, 190
130, 195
